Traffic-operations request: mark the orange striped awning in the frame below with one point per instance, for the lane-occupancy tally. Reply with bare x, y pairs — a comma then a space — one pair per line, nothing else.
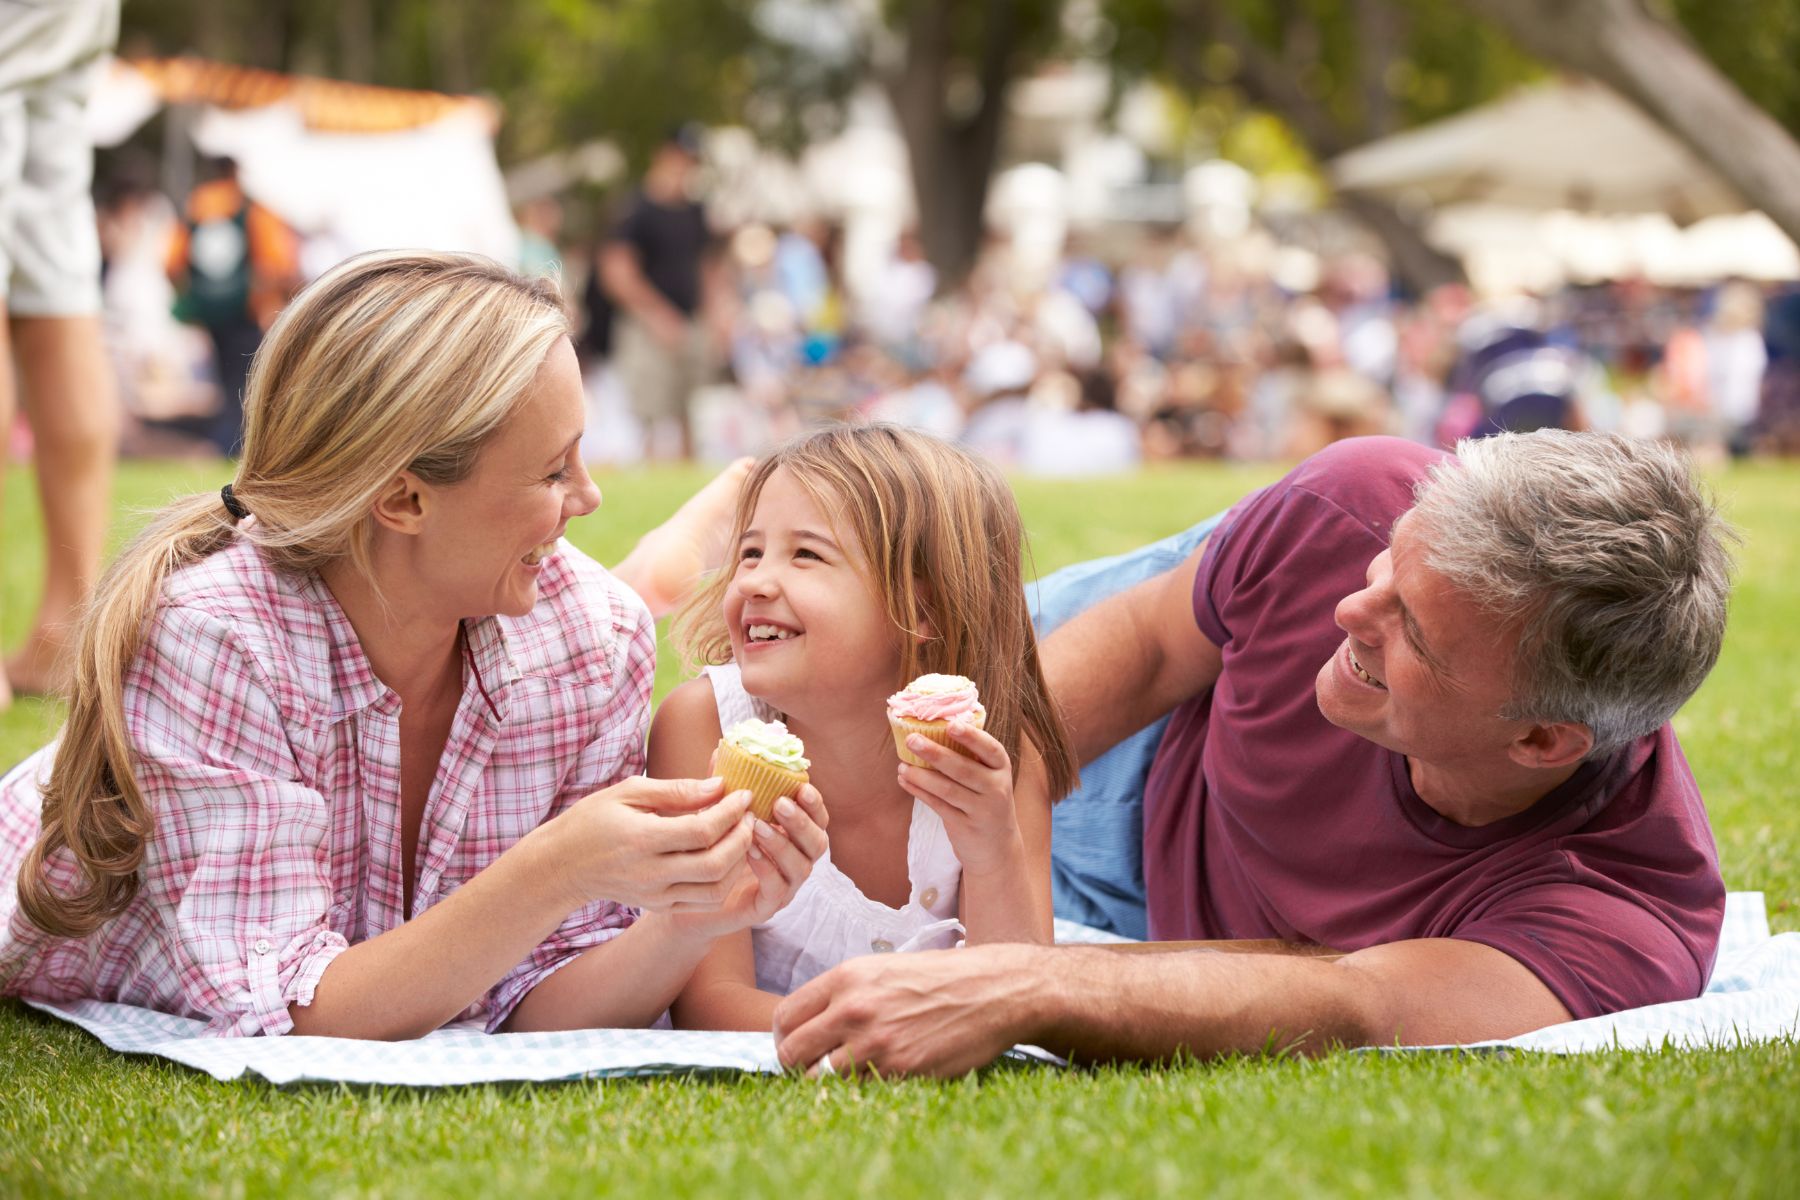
326, 105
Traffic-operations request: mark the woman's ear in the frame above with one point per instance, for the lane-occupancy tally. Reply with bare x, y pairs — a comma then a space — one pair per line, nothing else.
403, 504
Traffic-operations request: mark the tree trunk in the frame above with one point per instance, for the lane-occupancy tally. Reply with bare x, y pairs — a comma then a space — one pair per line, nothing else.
1652, 63
1419, 265
1270, 82
952, 128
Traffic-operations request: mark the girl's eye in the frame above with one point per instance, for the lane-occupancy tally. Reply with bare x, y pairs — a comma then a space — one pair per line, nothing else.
805, 553
749, 552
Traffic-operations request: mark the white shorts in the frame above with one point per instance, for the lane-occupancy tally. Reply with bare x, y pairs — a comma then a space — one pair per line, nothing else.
51, 54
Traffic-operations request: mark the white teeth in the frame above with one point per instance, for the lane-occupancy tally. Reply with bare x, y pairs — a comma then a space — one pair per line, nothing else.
767, 633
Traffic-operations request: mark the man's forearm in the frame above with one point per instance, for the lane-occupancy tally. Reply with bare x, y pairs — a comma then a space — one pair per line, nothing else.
1092, 1005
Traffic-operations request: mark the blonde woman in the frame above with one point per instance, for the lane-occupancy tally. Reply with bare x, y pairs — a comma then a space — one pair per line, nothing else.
354, 746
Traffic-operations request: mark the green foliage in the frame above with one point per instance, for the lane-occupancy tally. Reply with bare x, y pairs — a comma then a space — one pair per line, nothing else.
564, 71
1427, 59
1755, 43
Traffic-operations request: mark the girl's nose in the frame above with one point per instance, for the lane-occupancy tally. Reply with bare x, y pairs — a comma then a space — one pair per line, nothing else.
757, 581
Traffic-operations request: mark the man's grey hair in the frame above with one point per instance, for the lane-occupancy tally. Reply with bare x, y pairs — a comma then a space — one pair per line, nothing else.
1605, 554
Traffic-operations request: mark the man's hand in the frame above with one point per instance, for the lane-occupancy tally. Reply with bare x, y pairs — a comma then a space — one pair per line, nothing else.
940, 1012
972, 794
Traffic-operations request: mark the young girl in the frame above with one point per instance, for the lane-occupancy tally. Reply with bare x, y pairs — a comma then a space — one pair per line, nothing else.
865, 557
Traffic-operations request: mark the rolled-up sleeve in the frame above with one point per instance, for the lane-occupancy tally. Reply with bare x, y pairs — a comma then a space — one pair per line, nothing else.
237, 876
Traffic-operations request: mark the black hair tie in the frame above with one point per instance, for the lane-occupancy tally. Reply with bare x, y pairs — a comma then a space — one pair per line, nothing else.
233, 505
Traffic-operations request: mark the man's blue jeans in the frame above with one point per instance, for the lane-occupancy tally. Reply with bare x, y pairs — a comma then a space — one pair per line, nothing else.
1097, 832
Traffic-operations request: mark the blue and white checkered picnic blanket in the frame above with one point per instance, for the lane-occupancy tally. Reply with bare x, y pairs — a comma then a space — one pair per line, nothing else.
1754, 996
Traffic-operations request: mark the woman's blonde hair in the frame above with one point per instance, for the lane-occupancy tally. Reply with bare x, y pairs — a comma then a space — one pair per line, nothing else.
942, 535
399, 360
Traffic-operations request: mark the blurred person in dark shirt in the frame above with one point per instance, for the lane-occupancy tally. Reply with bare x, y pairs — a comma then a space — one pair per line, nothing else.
659, 267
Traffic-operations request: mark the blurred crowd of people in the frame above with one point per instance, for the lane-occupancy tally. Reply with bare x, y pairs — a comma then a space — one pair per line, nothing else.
1141, 343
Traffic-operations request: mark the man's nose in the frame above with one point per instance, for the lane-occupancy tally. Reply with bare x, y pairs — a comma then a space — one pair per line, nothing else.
1355, 615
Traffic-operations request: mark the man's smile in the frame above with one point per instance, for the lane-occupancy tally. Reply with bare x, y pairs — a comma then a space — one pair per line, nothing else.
1360, 671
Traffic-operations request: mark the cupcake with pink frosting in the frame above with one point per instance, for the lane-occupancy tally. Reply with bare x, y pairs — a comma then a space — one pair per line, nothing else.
927, 706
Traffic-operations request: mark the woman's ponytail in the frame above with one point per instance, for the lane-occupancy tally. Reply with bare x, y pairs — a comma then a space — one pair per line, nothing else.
93, 808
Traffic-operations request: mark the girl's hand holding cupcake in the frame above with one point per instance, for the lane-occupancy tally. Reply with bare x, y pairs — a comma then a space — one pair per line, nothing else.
969, 784
782, 852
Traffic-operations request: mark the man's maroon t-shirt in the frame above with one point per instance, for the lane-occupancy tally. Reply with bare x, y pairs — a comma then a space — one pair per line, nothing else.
1264, 820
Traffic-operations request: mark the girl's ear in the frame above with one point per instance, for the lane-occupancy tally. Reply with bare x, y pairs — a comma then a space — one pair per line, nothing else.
926, 628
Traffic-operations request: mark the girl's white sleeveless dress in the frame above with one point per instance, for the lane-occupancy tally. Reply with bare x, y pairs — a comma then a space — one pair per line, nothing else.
829, 919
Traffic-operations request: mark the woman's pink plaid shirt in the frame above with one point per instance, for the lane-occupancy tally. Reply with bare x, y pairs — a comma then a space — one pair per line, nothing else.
270, 755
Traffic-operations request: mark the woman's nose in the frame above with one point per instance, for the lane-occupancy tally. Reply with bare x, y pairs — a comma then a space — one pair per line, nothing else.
586, 497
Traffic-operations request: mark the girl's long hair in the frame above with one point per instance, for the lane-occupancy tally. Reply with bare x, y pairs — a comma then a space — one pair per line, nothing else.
943, 537
399, 360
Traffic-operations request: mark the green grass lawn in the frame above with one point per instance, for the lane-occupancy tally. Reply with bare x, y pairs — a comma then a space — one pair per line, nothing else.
78, 1119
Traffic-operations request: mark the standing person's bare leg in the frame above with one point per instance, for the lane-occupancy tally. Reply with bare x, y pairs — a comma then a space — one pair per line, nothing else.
71, 402
6, 425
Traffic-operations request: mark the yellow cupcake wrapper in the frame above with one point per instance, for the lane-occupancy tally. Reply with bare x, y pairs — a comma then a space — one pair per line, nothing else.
937, 731
765, 781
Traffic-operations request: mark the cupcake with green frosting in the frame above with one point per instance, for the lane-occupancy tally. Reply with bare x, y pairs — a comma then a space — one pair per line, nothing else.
764, 759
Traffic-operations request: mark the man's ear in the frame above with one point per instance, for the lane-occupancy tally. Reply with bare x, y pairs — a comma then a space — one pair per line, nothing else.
1553, 745
403, 503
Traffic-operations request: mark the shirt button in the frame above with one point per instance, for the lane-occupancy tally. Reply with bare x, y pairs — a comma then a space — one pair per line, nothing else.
928, 897
882, 946
262, 946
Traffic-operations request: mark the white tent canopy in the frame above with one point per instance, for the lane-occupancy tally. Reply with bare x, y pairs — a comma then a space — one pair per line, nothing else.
1566, 144
352, 167
1564, 181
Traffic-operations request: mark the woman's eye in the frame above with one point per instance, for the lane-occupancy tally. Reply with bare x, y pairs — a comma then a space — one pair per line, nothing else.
560, 475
